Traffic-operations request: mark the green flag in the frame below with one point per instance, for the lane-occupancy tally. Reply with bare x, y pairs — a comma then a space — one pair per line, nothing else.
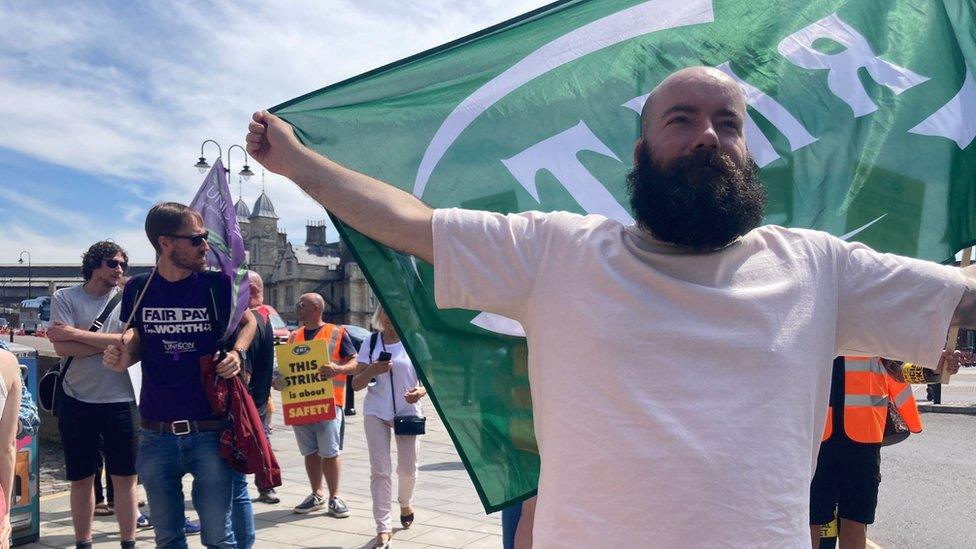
862, 116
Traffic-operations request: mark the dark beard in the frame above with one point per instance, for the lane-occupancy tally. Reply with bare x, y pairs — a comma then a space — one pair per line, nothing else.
702, 201
186, 261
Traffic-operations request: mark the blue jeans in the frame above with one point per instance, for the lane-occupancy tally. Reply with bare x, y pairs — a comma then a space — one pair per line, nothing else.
510, 519
243, 516
163, 461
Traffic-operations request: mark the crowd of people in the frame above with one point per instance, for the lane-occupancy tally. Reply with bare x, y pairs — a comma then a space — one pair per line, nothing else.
695, 292
172, 323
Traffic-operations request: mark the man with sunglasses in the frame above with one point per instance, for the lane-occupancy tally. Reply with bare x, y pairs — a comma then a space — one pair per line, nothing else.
321, 443
97, 408
178, 316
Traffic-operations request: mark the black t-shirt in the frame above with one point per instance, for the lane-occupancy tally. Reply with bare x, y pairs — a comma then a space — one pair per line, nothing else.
260, 360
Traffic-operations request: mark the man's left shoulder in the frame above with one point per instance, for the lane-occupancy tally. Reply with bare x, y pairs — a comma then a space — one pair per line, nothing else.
215, 277
788, 238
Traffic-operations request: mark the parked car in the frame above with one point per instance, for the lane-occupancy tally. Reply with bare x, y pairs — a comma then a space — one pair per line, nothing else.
356, 333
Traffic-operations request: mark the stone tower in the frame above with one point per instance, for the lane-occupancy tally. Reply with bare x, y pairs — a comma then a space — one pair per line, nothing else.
262, 241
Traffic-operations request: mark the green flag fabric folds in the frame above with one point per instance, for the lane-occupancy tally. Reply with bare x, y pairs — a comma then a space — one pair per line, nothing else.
862, 116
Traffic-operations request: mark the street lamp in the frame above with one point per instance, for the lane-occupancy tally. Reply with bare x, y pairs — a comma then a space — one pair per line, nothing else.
29, 269
203, 165
246, 172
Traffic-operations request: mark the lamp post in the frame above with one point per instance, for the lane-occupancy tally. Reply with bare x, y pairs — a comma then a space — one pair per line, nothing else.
203, 165
29, 270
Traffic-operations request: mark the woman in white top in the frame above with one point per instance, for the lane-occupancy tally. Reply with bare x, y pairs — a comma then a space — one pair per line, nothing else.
10, 389
393, 391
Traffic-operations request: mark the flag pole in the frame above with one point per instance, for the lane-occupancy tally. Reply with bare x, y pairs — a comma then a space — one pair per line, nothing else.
954, 331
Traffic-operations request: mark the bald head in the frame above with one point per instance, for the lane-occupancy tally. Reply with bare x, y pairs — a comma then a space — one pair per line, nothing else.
255, 279
694, 108
310, 307
255, 296
691, 78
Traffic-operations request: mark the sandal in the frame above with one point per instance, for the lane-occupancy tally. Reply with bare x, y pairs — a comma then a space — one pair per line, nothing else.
102, 510
406, 520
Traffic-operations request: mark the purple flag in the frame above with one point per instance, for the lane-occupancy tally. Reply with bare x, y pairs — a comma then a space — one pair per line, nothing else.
213, 202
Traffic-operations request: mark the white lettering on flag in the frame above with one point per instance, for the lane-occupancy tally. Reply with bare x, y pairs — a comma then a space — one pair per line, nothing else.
760, 147
557, 155
645, 18
842, 78
956, 119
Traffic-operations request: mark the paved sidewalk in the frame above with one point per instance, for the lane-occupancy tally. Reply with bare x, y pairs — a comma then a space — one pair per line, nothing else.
448, 512
958, 396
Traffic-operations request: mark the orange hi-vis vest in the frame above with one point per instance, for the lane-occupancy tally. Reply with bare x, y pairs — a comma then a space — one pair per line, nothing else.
867, 390
332, 334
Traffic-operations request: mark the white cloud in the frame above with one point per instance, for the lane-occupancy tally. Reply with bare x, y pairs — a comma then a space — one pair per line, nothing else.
129, 91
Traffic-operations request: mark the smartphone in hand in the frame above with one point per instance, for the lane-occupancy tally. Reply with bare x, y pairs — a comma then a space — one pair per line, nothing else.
384, 356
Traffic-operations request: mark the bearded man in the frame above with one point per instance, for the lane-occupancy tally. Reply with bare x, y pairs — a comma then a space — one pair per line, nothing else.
722, 331
178, 317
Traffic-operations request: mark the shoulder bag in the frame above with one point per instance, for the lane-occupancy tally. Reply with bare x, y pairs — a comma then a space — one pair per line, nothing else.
409, 425
402, 425
50, 390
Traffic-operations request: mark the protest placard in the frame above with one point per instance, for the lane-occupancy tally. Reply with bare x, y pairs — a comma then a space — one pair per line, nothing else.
306, 397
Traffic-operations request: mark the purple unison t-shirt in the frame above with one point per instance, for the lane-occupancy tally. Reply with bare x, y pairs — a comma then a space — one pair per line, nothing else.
176, 329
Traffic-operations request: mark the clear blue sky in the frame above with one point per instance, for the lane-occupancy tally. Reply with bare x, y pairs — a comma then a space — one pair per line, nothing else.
105, 104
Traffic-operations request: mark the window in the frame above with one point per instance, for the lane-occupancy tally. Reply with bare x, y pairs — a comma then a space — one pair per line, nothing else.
288, 267
255, 255
274, 297
289, 296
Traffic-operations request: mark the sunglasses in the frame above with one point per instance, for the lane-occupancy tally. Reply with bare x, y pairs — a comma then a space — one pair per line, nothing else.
195, 239
114, 263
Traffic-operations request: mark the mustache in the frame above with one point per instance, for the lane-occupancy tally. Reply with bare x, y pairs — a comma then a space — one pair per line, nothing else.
702, 201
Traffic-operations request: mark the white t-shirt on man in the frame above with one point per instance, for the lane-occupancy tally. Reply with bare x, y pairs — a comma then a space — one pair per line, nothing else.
700, 426
380, 396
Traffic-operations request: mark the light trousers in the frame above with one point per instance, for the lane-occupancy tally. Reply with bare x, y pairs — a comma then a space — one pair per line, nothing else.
378, 434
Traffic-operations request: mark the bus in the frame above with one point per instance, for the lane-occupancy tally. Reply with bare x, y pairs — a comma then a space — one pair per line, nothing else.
35, 314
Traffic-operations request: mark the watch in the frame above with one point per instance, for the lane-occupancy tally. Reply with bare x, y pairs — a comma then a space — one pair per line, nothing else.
241, 353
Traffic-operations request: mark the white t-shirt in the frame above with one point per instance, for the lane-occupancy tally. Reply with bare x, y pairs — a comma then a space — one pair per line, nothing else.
379, 396
700, 426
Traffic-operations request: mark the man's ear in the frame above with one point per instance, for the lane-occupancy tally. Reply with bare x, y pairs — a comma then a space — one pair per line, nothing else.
638, 145
160, 242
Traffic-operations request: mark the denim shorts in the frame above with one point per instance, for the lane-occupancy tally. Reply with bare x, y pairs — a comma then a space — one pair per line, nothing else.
324, 437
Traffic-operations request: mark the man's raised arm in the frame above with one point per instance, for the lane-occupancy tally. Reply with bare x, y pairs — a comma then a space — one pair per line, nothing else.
379, 210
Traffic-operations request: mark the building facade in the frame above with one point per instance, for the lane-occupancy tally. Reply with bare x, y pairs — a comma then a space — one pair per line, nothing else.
290, 270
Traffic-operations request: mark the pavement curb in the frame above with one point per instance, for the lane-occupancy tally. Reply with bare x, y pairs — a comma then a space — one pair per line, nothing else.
964, 408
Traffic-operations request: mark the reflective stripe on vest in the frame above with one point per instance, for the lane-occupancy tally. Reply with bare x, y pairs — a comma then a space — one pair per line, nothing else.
865, 400
902, 397
333, 334
901, 394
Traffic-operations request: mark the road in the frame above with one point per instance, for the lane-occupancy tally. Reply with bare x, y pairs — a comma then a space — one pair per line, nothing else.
928, 487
